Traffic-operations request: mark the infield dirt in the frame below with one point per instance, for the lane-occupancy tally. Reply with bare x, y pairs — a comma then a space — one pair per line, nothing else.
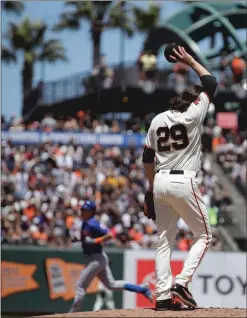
147, 312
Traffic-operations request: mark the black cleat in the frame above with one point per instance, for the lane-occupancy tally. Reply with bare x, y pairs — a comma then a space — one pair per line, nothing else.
167, 304
181, 294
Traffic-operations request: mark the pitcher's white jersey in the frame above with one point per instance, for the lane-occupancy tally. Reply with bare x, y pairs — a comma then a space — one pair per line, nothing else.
176, 137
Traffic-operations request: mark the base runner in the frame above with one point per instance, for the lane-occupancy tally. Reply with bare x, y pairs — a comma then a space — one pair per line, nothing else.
171, 161
93, 234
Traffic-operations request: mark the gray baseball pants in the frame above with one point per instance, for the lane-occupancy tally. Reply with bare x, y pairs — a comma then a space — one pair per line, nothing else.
97, 265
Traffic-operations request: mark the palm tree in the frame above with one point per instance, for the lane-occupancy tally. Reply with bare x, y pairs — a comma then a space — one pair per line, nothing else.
16, 7
106, 15
27, 37
146, 19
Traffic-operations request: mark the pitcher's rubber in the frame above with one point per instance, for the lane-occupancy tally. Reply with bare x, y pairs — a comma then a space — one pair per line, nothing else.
150, 312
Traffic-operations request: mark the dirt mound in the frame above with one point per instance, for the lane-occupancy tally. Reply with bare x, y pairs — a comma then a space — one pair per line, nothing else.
146, 312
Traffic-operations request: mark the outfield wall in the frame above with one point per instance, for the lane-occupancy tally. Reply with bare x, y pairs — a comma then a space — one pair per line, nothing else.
219, 281
41, 280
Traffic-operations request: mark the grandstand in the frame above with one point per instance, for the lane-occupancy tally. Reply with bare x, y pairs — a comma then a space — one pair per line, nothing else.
49, 167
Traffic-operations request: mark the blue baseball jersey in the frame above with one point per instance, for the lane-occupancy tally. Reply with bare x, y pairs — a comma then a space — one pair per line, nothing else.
94, 229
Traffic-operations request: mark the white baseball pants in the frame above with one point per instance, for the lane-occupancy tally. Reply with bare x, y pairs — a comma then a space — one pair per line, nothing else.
178, 196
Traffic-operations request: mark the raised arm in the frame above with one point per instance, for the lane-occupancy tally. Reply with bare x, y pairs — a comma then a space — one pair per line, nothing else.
208, 81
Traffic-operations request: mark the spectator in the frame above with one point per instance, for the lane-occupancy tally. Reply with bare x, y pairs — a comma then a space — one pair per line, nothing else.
101, 77
71, 124
148, 63
48, 123
180, 73
238, 67
105, 72
184, 240
216, 244
213, 215
231, 155
100, 127
115, 128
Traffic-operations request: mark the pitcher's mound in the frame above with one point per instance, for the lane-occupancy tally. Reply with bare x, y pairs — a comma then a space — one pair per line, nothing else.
146, 312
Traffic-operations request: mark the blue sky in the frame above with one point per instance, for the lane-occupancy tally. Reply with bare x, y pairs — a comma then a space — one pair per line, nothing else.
77, 44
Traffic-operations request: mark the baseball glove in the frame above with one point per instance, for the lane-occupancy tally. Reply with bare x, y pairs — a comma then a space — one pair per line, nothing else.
149, 210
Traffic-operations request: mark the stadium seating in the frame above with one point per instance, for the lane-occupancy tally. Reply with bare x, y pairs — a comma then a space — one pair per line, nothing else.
44, 184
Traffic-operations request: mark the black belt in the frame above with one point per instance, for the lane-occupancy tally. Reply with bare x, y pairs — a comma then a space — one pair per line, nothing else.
173, 171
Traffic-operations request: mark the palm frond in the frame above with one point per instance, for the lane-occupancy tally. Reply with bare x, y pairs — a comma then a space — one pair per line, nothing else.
13, 6
26, 35
8, 56
86, 10
17, 36
39, 29
146, 19
119, 18
52, 51
128, 29
91, 11
74, 3
100, 9
67, 21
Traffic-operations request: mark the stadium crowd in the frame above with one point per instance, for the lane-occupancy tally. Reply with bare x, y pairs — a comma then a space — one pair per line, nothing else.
230, 151
84, 121
43, 186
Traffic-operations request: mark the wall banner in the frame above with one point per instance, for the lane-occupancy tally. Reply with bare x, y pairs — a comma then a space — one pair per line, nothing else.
219, 281
62, 277
17, 277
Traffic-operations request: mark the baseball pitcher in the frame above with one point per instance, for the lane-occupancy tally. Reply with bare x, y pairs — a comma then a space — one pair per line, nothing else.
93, 234
171, 160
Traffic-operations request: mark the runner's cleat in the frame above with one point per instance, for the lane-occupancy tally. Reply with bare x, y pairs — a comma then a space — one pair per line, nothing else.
148, 293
